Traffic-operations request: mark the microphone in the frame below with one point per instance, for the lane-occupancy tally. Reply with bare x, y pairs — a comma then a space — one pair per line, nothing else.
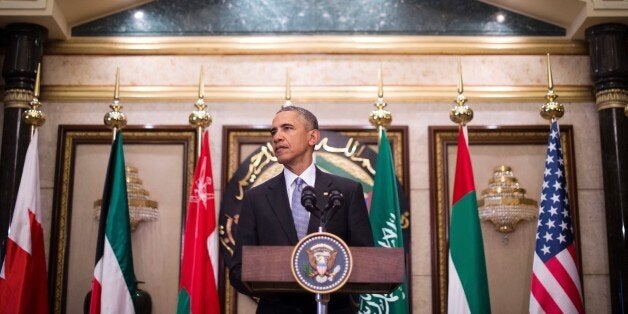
308, 200
336, 199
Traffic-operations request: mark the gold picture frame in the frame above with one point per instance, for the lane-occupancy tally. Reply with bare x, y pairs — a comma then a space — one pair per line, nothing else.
241, 142
508, 258
164, 157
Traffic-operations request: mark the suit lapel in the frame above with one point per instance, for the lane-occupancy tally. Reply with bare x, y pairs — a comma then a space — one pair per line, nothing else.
322, 185
278, 202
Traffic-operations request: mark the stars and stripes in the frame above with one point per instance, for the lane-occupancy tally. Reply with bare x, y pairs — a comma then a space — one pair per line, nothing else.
555, 286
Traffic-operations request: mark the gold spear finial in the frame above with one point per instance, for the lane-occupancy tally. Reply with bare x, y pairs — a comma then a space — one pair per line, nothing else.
551, 109
380, 86
115, 119
34, 116
461, 113
288, 91
201, 86
199, 118
380, 117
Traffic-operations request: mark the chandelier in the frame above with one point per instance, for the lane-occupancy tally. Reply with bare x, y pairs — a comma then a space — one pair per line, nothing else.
141, 207
504, 202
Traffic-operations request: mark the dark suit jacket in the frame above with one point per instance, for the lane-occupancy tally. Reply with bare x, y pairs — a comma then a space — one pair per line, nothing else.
266, 219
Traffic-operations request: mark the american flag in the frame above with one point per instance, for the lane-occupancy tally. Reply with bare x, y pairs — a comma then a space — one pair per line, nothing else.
555, 286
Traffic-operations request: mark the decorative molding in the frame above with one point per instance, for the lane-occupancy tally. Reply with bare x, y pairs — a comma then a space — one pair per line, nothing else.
611, 98
310, 94
318, 44
18, 98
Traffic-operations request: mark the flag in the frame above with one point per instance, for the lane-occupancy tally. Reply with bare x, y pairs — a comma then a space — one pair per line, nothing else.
385, 217
23, 286
197, 286
468, 284
114, 284
555, 285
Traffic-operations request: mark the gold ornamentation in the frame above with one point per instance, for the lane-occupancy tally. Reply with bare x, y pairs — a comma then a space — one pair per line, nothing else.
33, 116
17, 98
310, 94
551, 109
200, 118
288, 96
461, 113
504, 202
141, 208
611, 98
380, 118
322, 44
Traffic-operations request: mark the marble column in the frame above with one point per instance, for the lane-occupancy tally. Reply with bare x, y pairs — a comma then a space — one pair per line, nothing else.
608, 49
23, 51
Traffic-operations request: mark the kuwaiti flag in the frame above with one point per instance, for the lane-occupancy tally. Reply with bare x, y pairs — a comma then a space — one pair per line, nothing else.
468, 285
114, 279
197, 286
23, 286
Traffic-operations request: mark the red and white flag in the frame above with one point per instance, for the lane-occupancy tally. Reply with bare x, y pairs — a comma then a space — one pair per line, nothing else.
555, 286
197, 286
23, 285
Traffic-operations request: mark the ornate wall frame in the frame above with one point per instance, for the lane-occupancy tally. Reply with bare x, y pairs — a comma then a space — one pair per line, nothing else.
81, 164
239, 142
507, 140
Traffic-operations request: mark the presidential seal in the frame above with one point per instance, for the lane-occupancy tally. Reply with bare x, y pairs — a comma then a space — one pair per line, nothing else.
321, 263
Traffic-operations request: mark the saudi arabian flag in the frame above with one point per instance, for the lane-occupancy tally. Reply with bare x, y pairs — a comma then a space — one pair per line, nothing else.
114, 284
468, 286
385, 216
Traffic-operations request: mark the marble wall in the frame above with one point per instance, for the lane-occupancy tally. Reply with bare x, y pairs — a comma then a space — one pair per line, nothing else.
348, 70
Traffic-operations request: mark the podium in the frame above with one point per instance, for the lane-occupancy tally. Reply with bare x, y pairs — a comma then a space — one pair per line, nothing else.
375, 269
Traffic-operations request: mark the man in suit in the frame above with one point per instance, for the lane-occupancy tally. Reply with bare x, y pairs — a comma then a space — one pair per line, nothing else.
269, 216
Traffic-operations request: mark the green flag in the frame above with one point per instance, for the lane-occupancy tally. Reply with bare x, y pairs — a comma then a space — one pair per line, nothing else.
385, 216
468, 284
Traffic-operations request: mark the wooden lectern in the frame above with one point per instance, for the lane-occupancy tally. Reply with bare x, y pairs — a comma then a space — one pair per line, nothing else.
375, 269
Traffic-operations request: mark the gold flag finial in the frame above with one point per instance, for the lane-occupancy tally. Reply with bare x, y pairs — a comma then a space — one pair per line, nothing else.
380, 117
380, 85
288, 91
551, 109
115, 119
461, 113
199, 118
34, 116
201, 86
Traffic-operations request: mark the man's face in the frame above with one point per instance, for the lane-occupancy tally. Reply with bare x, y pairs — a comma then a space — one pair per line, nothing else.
292, 140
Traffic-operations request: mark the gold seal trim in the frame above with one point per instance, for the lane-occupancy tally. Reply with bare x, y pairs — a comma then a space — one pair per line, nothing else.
611, 98
314, 94
317, 44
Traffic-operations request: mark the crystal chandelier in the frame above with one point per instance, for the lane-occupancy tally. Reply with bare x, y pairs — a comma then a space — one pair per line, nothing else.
141, 207
504, 202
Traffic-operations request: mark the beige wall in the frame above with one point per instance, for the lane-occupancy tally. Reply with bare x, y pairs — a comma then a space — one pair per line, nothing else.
349, 70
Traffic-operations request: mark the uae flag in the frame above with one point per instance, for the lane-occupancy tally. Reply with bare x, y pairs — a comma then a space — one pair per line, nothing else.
23, 286
197, 286
114, 279
385, 217
468, 285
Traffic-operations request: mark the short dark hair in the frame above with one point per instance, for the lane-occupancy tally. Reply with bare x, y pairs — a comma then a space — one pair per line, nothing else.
310, 119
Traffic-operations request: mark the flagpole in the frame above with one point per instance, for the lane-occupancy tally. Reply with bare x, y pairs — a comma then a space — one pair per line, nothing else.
115, 119
34, 116
200, 118
380, 117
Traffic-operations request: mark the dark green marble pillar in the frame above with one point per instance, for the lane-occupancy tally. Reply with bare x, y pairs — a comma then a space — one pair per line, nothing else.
608, 47
23, 51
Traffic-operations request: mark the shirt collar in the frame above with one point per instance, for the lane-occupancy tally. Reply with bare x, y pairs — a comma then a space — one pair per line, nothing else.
309, 175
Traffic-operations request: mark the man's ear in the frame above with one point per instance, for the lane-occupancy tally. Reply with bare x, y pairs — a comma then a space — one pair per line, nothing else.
315, 135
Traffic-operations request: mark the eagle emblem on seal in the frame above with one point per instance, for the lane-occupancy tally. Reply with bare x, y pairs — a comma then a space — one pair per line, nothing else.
321, 258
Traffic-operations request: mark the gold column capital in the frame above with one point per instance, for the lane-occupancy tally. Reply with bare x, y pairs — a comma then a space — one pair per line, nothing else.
17, 98
611, 98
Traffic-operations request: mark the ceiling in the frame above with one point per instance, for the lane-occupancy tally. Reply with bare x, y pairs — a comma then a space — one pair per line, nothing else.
59, 16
